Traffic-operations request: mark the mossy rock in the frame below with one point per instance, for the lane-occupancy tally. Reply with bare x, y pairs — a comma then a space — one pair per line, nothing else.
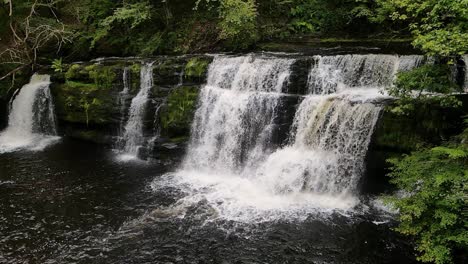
428, 125
73, 98
168, 71
101, 75
177, 115
196, 67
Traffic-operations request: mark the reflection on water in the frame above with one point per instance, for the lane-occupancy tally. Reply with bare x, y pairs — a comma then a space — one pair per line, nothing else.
73, 203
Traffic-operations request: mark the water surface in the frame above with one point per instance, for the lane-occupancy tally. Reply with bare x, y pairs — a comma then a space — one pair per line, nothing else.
74, 203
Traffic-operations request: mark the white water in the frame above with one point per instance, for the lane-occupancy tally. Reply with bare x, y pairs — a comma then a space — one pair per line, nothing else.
331, 74
234, 121
31, 122
133, 137
121, 101
232, 164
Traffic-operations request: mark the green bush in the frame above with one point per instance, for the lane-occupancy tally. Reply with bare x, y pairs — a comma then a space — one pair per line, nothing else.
196, 67
429, 84
434, 209
238, 23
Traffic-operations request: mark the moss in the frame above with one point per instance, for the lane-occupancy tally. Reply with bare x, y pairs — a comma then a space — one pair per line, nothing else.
102, 76
73, 72
167, 71
135, 69
74, 99
80, 85
176, 117
196, 67
428, 125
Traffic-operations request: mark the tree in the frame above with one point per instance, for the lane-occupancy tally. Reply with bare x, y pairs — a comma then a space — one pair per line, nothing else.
238, 22
429, 85
434, 208
440, 27
30, 32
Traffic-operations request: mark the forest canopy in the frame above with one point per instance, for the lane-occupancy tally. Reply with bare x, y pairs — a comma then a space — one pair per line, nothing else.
83, 28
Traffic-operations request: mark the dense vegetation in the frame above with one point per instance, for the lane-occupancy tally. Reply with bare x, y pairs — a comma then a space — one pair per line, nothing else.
34, 32
433, 179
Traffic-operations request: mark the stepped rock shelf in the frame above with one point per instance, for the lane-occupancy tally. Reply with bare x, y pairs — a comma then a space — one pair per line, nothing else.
177, 81
93, 99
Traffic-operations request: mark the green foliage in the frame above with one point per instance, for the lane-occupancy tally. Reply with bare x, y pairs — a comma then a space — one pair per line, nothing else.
238, 23
313, 16
433, 211
87, 105
177, 115
129, 16
196, 67
57, 65
440, 27
81, 102
73, 72
99, 75
429, 84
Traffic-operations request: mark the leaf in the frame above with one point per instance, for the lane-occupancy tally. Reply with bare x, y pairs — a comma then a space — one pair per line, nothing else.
453, 153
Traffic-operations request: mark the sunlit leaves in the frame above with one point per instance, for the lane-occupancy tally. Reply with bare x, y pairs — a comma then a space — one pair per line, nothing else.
436, 180
440, 27
238, 22
428, 84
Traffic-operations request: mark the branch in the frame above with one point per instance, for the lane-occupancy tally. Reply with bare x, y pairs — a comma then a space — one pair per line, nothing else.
11, 8
13, 72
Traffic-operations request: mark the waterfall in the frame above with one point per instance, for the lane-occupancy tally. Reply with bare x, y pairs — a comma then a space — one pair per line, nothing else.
121, 101
133, 138
337, 119
231, 163
234, 121
31, 122
331, 74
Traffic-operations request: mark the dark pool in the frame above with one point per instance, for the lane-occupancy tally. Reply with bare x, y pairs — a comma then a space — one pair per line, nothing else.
73, 203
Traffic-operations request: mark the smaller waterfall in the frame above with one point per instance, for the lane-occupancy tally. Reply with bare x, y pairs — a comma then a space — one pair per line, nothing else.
31, 123
133, 138
332, 74
121, 100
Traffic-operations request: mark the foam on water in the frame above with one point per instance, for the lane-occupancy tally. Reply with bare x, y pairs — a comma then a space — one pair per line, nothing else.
232, 165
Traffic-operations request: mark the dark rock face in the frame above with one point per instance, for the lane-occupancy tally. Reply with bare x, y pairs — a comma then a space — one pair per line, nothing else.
3, 113
396, 135
90, 105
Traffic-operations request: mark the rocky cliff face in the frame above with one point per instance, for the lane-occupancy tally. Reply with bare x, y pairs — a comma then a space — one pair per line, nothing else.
90, 105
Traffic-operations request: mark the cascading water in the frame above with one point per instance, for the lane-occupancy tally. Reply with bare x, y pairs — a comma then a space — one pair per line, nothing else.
331, 74
234, 121
231, 163
121, 99
31, 123
133, 137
